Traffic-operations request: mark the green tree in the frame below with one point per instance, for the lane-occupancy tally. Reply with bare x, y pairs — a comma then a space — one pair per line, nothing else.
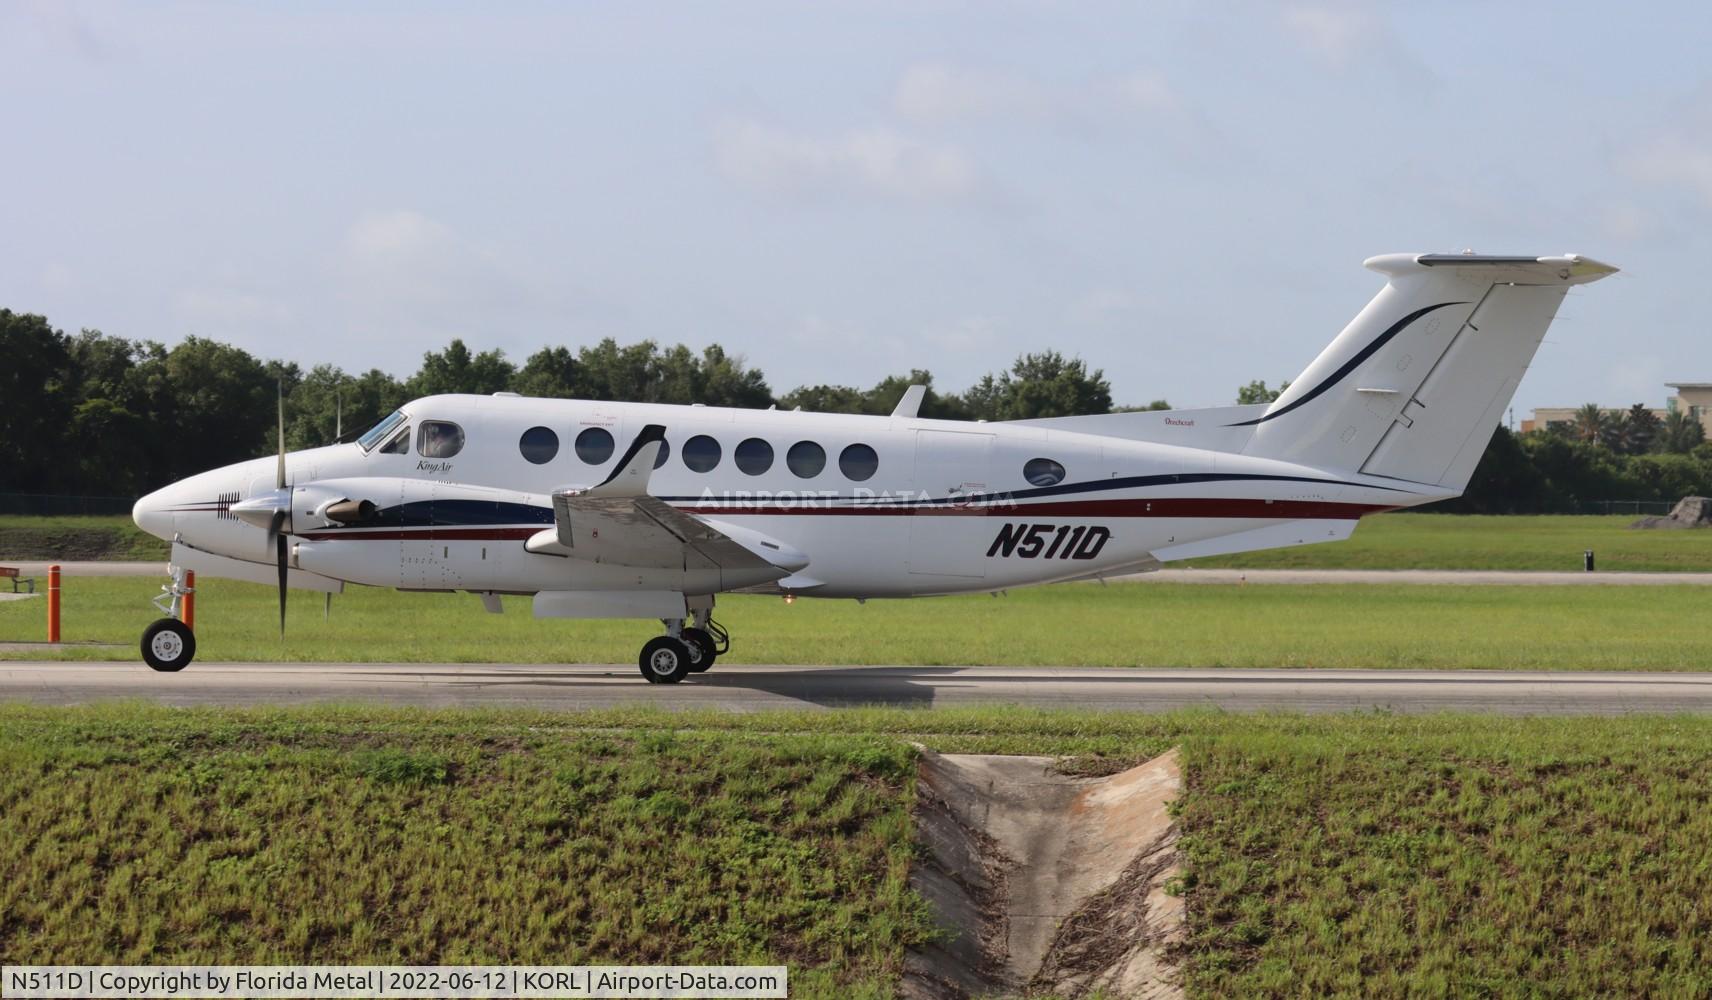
1040, 385
1679, 433
551, 373
37, 396
218, 408
1635, 432
1590, 425
1257, 392
1158, 404
457, 370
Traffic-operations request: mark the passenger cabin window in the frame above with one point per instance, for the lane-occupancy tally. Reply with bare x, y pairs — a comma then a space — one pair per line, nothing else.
400, 443
439, 439
665, 453
806, 459
594, 445
1042, 472
753, 456
376, 434
858, 463
701, 453
539, 445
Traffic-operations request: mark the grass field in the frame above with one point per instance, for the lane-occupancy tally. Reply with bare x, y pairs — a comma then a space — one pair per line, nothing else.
73, 538
1462, 541
1130, 624
1385, 541
1361, 856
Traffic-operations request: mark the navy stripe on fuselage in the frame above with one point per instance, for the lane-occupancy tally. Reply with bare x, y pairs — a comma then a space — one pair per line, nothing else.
1348, 366
453, 513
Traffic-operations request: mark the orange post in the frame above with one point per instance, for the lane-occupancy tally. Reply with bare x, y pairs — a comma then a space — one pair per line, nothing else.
188, 615
53, 603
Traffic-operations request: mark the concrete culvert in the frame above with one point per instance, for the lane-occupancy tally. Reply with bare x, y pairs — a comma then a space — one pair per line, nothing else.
1045, 883
1689, 512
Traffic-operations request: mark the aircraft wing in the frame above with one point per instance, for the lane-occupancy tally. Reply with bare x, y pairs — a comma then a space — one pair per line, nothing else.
619, 522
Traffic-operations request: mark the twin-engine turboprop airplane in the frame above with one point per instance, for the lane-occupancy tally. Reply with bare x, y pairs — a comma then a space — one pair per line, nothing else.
630, 510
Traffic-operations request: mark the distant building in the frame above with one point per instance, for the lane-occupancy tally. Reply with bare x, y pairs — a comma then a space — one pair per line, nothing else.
1692, 398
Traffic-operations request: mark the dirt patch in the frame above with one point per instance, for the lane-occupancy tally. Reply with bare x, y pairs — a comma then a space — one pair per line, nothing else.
1689, 512
1045, 883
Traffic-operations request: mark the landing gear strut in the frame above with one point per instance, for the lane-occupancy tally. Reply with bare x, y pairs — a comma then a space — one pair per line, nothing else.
169, 644
685, 650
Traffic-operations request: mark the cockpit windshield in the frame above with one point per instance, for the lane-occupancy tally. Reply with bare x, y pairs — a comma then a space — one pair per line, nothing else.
379, 431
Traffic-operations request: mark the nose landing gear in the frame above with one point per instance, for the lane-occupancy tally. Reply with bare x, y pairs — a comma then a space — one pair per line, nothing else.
682, 651
168, 643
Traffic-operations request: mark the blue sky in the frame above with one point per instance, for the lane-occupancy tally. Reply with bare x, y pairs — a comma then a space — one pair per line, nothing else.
1180, 193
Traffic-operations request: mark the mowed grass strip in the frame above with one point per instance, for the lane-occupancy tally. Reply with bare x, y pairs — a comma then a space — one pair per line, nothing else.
1384, 541
73, 537
1531, 542
143, 837
1392, 857
1128, 624
1356, 855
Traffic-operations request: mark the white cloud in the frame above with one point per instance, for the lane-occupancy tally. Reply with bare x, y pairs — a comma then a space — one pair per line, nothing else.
1336, 32
936, 92
231, 313
1675, 160
1100, 306
1145, 90
876, 160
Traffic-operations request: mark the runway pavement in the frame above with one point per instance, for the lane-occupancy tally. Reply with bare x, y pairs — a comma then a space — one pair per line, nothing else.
742, 688
1425, 577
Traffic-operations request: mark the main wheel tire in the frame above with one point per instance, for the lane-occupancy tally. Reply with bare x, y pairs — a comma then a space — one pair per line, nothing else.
665, 660
703, 650
168, 645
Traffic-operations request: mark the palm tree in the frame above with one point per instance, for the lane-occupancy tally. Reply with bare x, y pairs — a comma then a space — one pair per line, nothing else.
1679, 433
1591, 424
1636, 431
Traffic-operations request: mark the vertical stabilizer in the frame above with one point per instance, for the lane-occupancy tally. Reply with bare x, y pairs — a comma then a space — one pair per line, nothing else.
1414, 386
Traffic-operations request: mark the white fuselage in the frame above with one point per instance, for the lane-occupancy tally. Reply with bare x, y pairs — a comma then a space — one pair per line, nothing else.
946, 508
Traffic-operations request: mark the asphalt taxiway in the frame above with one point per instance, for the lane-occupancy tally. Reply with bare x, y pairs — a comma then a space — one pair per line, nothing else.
743, 688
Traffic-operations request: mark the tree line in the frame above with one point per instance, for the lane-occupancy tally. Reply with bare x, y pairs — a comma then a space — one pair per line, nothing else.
92, 414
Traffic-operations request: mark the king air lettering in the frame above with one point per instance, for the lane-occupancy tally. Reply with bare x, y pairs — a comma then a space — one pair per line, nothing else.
1049, 541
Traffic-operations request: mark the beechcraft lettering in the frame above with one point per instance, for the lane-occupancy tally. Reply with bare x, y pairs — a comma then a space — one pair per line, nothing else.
652, 512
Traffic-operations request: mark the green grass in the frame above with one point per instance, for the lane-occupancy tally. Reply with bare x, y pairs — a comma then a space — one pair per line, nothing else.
72, 538
1461, 541
1356, 855
1385, 541
1131, 624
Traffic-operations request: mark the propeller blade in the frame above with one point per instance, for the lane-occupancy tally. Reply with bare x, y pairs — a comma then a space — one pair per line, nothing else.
281, 483
279, 543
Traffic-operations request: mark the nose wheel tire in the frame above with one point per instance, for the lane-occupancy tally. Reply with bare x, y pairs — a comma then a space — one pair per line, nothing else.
168, 645
665, 660
703, 650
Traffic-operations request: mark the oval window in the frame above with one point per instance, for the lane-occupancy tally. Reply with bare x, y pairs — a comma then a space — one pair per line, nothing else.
594, 445
665, 453
439, 439
701, 453
754, 456
858, 462
1042, 472
806, 459
539, 445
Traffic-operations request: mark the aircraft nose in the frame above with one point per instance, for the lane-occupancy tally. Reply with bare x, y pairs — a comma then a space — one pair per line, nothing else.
152, 515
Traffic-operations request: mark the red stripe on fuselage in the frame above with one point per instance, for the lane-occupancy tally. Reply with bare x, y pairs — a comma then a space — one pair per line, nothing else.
1210, 507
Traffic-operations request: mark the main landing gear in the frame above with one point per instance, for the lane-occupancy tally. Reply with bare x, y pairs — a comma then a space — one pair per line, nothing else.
168, 643
684, 650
